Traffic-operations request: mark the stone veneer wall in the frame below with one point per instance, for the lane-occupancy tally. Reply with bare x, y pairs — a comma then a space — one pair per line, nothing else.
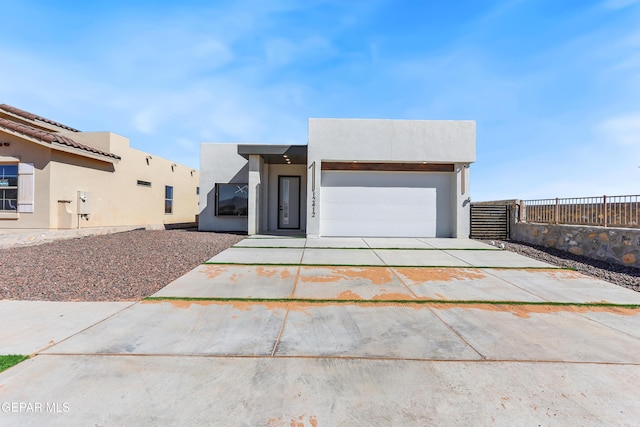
616, 245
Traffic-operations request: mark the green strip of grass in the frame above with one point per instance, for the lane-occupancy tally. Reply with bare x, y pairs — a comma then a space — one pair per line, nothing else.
366, 248
10, 360
275, 237
270, 264
421, 301
267, 247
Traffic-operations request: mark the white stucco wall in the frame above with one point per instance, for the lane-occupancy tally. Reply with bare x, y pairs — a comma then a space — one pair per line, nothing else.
461, 201
373, 140
220, 162
439, 141
377, 140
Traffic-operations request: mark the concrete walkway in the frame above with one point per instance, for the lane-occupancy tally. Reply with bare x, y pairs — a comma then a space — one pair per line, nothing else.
325, 332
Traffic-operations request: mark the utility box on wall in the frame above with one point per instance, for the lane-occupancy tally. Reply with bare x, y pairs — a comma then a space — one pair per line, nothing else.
84, 203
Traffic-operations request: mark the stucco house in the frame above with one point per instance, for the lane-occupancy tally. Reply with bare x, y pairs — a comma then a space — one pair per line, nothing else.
53, 176
354, 177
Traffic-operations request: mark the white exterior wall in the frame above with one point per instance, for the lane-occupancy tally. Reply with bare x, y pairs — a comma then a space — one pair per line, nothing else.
440, 141
220, 163
256, 166
450, 142
461, 202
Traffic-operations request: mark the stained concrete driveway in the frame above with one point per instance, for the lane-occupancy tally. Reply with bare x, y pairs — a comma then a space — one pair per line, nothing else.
315, 332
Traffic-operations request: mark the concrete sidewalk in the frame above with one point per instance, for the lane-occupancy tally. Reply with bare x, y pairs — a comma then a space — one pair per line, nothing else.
278, 337
29, 327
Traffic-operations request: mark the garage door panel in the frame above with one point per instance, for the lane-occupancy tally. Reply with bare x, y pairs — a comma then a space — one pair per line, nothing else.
357, 204
391, 211
380, 179
378, 195
359, 228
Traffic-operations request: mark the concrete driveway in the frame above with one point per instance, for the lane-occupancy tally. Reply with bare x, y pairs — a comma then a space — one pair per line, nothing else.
325, 332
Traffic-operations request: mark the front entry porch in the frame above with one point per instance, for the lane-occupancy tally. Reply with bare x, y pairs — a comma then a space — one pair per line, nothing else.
277, 189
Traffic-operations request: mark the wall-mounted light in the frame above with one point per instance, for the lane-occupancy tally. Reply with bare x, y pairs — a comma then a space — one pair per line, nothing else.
463, 179
148, 158
313, 175
173, 166
193, 171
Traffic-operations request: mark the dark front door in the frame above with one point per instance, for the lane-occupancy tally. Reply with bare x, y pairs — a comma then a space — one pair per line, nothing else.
289, 202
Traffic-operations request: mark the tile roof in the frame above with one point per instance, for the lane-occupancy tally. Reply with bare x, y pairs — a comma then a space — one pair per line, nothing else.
50, 137
31, 116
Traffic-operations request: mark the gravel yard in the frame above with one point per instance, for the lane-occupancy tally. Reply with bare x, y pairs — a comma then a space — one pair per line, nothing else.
114, 267
132, 265
620, 275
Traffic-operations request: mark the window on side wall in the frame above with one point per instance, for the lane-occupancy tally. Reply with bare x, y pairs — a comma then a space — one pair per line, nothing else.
168, 199
232, 199
9, 187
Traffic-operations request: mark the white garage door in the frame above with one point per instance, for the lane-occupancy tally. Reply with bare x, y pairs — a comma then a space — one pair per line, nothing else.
385, 204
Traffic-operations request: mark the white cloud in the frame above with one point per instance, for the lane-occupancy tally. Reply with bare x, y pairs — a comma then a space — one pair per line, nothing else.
187, 144
618, 4
216, 52
145, 121
280, 51
622, 130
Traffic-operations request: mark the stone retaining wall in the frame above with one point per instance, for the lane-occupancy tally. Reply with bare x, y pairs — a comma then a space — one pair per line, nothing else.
616, 245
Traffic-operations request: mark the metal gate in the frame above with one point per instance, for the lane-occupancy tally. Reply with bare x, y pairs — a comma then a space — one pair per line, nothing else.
489, 222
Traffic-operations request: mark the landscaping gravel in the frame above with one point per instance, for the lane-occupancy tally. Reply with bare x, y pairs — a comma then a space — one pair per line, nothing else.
627, 277
132, 265
116, 267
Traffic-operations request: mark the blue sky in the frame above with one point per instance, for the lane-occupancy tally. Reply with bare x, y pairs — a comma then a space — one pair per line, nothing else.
553, 85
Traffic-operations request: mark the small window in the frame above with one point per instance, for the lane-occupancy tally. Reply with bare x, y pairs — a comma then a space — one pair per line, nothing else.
168, 199
9, 188
232, 199
198, 191
144, 183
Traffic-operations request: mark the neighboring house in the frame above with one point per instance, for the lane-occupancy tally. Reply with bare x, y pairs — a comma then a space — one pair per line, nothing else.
55, 177
355, 177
